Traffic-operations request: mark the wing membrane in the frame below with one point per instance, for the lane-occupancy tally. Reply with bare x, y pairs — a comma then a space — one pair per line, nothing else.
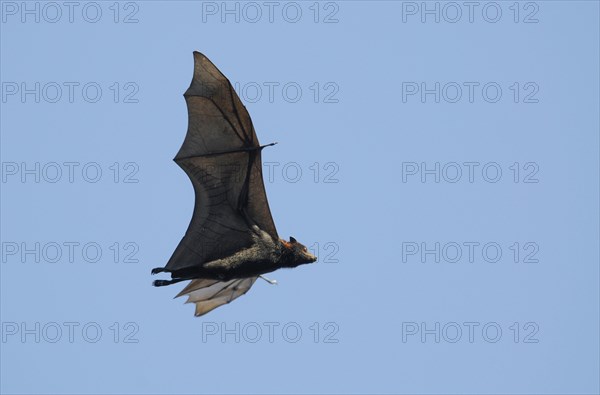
221, 156
210, 294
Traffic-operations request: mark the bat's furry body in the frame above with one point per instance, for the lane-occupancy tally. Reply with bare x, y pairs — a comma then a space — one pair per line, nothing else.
265, 255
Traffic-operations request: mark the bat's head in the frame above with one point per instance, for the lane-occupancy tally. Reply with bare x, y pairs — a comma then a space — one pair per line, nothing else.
298, 254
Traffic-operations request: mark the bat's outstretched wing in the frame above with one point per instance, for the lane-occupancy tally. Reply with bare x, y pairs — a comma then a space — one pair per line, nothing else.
222, 156
210, 294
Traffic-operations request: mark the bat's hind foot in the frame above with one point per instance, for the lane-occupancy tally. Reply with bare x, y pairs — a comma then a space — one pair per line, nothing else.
162, 283
157, 270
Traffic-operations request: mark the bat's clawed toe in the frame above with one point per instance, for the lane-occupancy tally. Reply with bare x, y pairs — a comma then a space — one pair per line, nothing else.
157, 270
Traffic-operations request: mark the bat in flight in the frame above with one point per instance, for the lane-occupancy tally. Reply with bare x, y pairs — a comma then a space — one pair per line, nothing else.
231, 239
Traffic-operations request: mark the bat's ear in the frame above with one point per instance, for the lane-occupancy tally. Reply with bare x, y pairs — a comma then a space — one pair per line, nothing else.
292, 240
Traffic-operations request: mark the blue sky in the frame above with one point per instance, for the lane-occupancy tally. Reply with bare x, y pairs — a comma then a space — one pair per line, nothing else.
441, 159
